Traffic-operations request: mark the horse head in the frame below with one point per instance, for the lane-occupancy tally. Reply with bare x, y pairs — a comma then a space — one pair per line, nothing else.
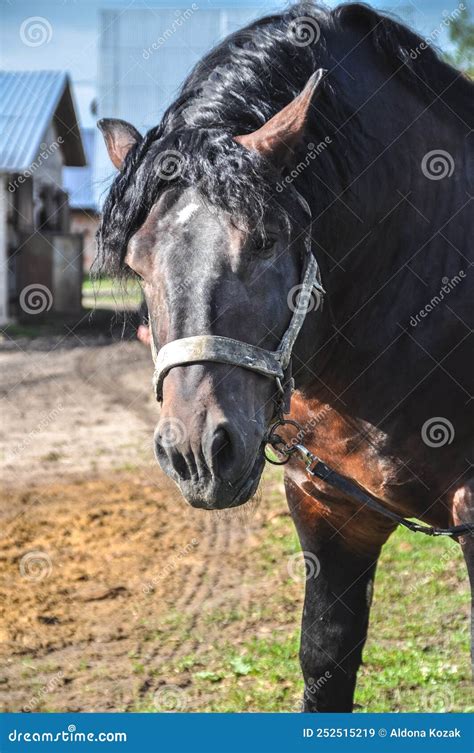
223, 258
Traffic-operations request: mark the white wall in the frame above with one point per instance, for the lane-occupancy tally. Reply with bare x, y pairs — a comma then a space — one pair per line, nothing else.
50, 168
145, 55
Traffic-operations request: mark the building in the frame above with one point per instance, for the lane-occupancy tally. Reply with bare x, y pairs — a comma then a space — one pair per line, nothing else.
40, 259
144, 56
78, 182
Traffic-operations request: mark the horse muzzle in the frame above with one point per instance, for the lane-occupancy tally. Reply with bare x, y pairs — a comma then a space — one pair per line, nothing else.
213, 467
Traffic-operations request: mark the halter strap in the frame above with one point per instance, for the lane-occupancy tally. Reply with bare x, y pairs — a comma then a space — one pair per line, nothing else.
311, 281
217, 349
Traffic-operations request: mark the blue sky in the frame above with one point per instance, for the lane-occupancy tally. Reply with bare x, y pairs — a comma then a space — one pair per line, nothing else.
73, 32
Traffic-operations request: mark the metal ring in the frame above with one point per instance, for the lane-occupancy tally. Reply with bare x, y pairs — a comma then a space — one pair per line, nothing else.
274, 440
275, 462
282, 422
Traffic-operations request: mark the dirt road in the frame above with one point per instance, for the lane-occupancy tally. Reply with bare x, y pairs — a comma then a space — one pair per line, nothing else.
112, 588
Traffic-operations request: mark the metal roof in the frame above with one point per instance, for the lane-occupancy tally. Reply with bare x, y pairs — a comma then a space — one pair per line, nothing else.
29, 100
77, 181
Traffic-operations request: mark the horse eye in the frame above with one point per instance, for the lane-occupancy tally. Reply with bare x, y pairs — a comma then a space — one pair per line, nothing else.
265, 243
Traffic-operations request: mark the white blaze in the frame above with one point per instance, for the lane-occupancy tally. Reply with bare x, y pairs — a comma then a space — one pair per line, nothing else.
187, 212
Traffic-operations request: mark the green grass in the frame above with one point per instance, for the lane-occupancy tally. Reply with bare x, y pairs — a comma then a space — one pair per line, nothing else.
109, 293
14, 331
416, 657
89, 283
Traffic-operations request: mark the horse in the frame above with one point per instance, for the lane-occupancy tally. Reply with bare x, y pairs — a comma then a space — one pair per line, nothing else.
313, 150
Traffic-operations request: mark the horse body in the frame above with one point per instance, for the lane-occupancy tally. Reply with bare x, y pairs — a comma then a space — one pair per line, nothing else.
381, 369
384, 384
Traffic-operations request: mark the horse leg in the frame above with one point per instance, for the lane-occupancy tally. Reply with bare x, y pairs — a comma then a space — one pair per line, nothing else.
463, 512
341, 559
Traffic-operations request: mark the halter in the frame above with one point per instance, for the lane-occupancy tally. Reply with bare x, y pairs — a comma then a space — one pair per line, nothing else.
217, 349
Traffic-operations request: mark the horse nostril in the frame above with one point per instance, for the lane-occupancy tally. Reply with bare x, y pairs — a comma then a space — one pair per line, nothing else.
212, 453
219, 452
220, 443
169, 457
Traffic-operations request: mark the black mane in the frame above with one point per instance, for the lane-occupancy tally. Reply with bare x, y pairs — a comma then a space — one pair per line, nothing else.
243, 82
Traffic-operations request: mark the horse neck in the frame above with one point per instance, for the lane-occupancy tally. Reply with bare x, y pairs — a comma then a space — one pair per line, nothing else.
382, 217
382, 235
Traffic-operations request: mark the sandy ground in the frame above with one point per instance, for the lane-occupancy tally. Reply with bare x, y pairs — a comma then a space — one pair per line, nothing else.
74, 410
100, 553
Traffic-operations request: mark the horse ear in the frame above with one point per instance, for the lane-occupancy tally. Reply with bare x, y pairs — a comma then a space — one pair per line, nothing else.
119, 137
279, 136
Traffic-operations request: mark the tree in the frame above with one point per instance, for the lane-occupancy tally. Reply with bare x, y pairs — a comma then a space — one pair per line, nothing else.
461, 33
